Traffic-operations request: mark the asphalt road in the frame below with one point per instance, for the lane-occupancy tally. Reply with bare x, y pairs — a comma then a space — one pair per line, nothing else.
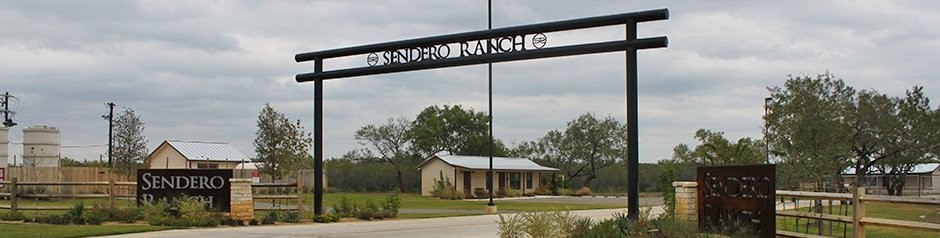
464, 226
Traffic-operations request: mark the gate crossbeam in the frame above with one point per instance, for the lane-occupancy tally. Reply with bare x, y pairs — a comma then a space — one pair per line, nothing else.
593, 48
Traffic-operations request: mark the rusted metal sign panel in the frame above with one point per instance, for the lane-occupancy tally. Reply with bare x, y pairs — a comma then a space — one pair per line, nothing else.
737, 198
209, 185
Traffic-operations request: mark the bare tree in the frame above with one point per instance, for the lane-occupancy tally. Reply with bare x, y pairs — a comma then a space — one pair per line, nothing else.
391, 143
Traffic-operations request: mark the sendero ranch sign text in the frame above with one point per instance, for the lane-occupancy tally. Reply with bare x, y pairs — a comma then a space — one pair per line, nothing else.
210, 185
460, 49
737, 198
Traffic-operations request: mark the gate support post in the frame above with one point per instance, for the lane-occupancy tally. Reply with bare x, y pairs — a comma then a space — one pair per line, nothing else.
318, 140
633, 144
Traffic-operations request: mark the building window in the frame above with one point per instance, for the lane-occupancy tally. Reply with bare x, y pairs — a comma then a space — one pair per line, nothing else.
528, 179
515, 178
207, 166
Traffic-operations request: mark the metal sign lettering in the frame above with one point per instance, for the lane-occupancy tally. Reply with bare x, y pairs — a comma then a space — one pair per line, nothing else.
737, 198
210, 185
3, 175
498, 45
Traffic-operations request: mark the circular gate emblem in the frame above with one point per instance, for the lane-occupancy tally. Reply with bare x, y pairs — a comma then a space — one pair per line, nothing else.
539, 40
372, 59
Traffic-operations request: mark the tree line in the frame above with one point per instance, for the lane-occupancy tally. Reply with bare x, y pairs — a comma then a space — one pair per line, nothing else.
818, 127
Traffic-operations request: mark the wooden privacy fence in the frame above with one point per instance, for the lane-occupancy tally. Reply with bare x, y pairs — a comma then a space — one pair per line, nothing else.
857, 220
114, 190
122, 189
62, 174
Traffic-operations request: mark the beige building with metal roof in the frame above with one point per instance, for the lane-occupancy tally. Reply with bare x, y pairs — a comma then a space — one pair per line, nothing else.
179, 154
468, 173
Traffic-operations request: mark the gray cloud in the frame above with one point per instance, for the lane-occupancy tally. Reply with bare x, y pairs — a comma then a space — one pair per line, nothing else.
201, 70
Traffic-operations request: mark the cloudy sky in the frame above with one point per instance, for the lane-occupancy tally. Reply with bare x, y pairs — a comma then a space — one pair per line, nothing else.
201, 70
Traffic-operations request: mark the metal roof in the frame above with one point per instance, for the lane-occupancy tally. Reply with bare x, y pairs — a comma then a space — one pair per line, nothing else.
483, 162
918, 169
207, 151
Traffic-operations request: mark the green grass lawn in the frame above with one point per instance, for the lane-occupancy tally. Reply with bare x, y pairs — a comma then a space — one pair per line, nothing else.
413, 200
893, 211
45, 230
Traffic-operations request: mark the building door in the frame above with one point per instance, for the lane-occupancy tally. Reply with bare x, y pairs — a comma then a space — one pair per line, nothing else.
502, 180
466, 184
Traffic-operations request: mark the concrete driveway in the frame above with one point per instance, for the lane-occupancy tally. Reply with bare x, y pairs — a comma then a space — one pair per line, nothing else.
465, 226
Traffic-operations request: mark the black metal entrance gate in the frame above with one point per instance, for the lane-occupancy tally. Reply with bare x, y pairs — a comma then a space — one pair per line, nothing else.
498, 45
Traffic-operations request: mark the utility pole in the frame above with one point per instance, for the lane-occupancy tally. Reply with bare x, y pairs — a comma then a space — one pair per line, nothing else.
6, 110
110, 118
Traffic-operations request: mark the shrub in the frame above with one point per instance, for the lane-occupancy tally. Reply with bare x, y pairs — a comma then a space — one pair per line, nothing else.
232, 222
543, 190
155, 213
510, 226
480, 193
292, 216
94, 219
509, 192
667, 175
253, 222
584, 191
125, 215
193, 210
368, 210
56, 219
190, 211
325, 218
565, 192
541, 224
445, 190
392, 204
345, 207
75, 213
271, 217
12, 216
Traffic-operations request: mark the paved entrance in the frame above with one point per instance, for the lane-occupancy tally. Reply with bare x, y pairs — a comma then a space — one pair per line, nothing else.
466, 226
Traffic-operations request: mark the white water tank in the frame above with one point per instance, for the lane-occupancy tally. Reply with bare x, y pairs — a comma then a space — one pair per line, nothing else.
4, 143
41, 146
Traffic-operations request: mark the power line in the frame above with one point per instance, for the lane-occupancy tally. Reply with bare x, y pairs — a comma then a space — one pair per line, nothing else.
81, 146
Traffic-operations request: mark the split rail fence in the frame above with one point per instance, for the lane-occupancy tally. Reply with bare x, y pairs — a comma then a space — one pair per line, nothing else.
858, 220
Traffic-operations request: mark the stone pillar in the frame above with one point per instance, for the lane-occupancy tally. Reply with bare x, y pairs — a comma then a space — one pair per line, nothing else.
242, 204
686, 204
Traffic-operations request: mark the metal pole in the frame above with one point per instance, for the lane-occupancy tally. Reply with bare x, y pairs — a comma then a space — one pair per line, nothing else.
766, 123
318, 140
633, 144
489, 173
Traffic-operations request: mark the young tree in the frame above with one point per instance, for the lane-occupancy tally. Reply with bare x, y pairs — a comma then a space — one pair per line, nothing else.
281, 146
586, 145
391, 143
130, 146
